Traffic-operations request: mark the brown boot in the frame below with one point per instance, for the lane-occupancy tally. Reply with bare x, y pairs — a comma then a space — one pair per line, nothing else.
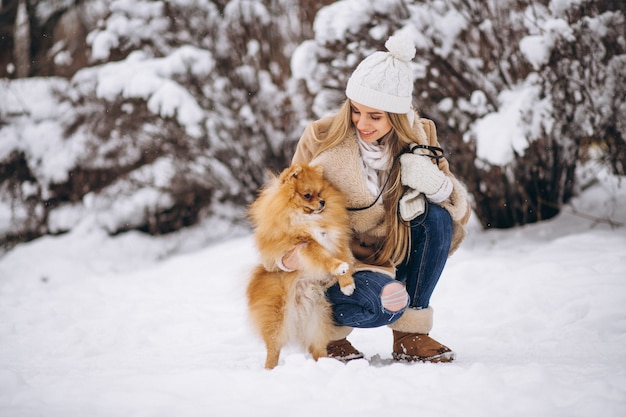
343, 351
416, 347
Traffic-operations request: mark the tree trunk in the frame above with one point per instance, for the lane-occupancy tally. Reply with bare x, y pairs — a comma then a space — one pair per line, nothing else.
21, 45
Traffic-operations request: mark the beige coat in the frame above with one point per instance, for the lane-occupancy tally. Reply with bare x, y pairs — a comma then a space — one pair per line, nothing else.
342, 166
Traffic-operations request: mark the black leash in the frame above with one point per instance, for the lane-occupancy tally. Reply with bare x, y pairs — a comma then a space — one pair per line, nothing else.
382, 189
437, 152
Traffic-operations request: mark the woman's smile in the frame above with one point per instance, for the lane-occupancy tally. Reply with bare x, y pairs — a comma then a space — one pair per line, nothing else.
372, 124
366, 134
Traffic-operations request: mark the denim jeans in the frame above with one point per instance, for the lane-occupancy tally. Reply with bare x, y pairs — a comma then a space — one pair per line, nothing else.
431, 234
364, 307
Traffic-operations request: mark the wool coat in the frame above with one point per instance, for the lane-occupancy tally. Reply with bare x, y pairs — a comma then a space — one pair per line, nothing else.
342, 167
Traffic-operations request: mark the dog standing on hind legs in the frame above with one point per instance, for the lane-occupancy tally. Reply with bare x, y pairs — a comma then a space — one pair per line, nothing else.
299, 208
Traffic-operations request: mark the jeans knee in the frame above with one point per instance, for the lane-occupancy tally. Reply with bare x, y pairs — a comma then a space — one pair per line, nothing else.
394, 297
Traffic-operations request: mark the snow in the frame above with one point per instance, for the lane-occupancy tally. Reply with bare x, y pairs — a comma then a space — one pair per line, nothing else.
560, 7
248, 11
450, 27
127, 21
502, 134
141, 76
537, 48
37, 131
115, 326
336, 20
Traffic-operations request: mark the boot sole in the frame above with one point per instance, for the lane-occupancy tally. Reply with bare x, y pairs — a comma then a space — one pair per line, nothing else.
348, 358
444, 357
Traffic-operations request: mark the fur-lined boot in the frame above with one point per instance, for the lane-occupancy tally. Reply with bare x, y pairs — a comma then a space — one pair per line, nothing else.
340, 348
411, 342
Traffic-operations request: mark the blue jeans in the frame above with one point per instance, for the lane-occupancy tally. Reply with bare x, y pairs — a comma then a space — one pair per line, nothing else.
431, 234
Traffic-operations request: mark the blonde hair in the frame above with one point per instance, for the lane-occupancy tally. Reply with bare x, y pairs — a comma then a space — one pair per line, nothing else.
397, 244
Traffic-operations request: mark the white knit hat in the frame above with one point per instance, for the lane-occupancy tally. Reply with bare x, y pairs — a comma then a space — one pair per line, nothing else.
384, 80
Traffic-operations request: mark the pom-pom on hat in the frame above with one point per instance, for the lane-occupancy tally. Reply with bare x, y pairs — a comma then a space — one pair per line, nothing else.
384, 80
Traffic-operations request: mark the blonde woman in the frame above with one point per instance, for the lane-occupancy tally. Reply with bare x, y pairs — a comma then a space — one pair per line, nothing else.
407, 210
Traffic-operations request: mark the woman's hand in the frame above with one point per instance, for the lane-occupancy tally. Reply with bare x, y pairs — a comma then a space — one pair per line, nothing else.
291, 260
419, 173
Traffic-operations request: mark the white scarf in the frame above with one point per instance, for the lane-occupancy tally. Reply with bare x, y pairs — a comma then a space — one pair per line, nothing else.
376, 161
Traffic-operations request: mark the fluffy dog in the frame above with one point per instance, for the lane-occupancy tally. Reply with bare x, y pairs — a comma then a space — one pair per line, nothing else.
299, 208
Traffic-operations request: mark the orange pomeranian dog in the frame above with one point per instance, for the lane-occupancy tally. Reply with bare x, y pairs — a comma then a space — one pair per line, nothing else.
300, 209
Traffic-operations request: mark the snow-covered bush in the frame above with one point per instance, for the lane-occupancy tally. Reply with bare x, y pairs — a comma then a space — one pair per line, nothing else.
185, 105
518, 89
181, 106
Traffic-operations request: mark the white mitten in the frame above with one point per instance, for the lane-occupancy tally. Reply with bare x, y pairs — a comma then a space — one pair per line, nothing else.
411, 204
419, 173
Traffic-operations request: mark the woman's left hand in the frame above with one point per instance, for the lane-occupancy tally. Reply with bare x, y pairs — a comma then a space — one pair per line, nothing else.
419, 173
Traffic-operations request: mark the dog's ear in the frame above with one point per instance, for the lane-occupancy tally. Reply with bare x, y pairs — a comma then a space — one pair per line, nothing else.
292, 172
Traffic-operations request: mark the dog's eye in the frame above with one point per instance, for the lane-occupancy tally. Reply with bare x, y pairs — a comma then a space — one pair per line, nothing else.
307, 196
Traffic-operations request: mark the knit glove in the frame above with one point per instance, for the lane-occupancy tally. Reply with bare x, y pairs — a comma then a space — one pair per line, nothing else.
411, 205
417, 172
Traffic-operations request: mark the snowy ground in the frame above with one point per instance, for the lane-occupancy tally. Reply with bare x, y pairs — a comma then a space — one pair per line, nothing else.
99, 326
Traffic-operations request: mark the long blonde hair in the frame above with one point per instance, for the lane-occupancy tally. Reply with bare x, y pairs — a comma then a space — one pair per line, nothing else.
397, 244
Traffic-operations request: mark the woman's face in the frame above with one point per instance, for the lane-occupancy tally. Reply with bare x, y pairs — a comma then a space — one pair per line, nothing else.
371, 123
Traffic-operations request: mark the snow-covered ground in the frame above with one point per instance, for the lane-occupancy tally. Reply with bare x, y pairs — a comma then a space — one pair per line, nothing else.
98, 326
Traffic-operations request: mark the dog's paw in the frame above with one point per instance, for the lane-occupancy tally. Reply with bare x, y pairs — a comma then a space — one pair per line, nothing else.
342, 269
348, 289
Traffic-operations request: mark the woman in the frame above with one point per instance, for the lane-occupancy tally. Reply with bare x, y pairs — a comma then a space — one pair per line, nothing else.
407, 210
